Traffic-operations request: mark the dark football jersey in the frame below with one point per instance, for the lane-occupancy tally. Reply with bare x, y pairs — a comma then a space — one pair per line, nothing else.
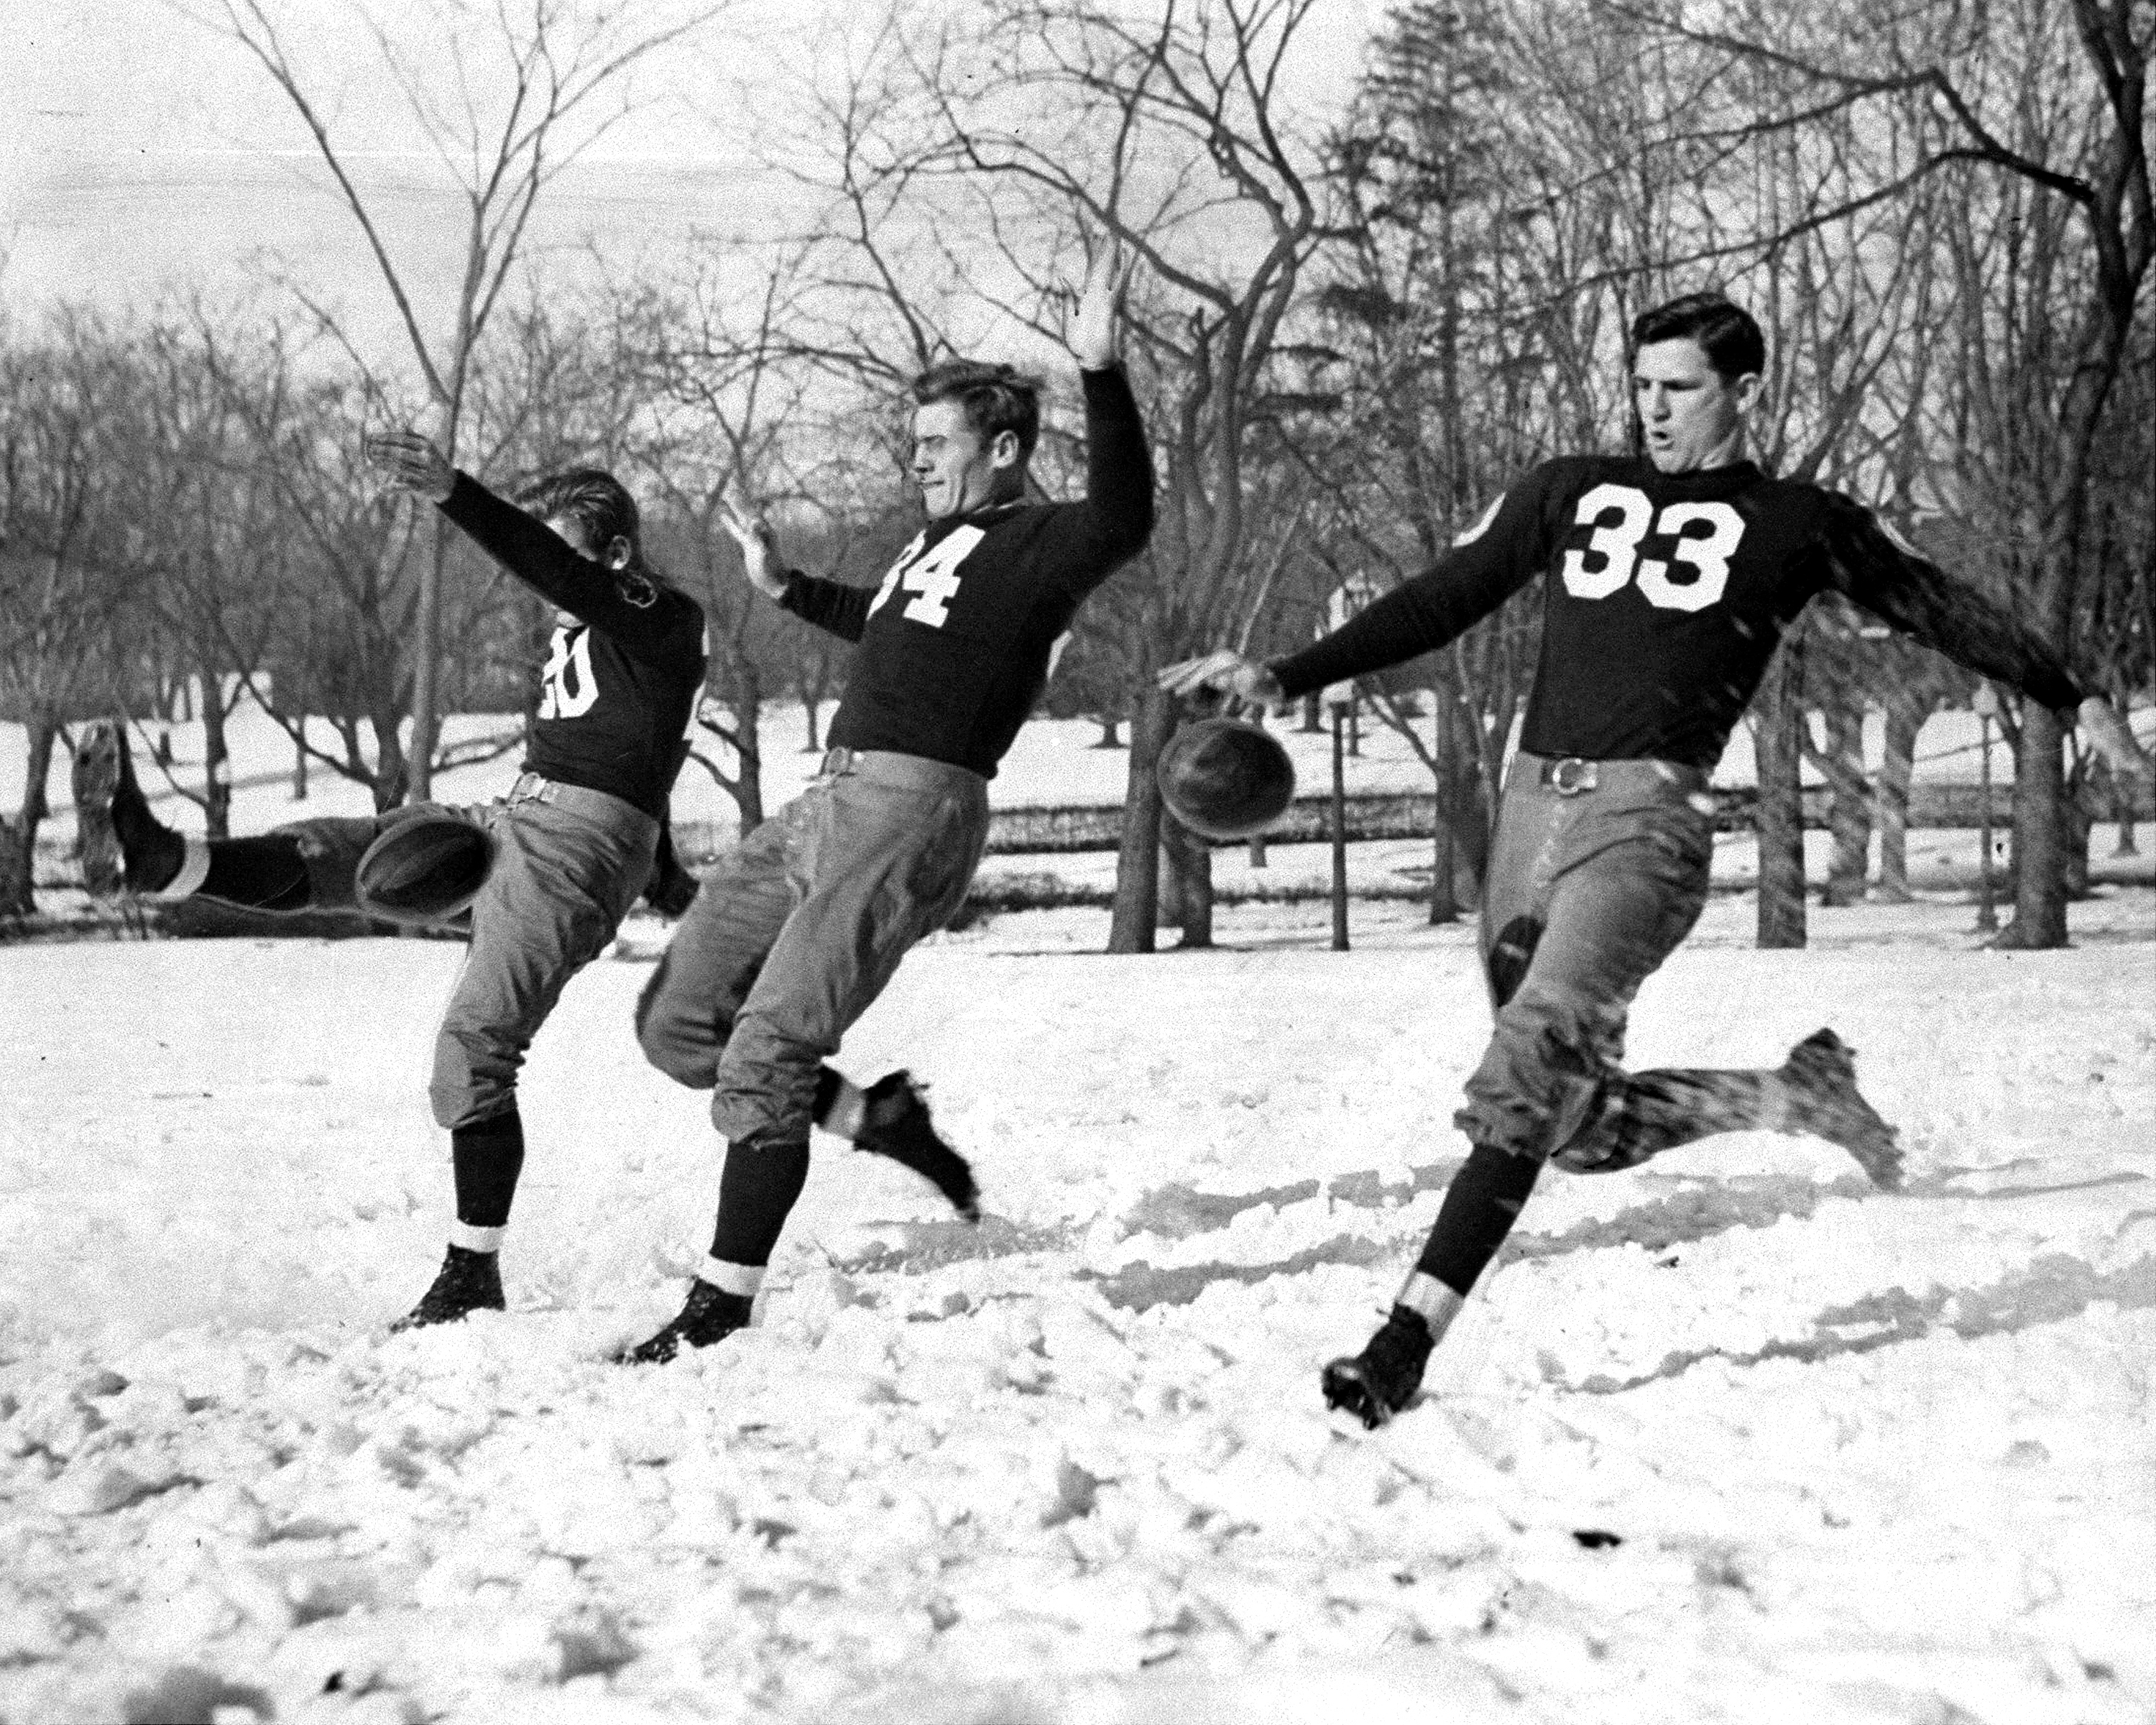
618, 684
1665, 596
955, 643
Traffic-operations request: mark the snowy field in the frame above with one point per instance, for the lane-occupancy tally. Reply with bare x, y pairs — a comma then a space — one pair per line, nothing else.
1726, 1438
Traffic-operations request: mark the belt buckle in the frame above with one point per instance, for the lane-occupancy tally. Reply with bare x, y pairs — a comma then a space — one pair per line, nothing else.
1571, 776
531, 788
837, 763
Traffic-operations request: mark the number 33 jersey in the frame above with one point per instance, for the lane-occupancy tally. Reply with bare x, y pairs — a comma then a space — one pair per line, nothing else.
955, 641
1665, 595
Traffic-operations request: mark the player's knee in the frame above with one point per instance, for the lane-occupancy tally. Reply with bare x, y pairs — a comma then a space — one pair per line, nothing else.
1539, 1085
460, 1102
672, 1040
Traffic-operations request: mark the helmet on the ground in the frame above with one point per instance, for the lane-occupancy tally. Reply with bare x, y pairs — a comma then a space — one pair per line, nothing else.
426, 869
1225, 778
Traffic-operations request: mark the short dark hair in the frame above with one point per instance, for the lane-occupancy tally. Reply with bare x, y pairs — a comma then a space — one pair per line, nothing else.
595, 500
1725, 332
997, 399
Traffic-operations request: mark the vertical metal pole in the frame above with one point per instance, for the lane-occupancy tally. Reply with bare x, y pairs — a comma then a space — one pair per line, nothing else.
1987, 915
1339, 831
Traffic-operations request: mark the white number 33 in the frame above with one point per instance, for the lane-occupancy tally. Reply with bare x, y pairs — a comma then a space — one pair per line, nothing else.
1616, 544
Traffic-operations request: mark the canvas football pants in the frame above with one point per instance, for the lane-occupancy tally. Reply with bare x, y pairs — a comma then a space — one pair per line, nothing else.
793, 934
1590, 887
568, 863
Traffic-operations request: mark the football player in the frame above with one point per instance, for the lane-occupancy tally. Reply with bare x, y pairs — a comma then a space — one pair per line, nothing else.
1670, 577
793, 934
546, 875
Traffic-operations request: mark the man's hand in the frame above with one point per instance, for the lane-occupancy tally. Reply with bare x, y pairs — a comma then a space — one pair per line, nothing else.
1094, 324
759, 548
1250, 682
412, 464
2110, 736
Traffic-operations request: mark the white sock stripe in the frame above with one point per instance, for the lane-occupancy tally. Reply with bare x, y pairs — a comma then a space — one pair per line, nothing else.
475, 1239
741, 1278
193, 871
1426, 1295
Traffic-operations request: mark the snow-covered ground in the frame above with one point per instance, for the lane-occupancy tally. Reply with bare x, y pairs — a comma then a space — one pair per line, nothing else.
1726, 1438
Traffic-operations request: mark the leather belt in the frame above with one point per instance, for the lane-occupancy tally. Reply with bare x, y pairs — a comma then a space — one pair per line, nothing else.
577, 799
888, 767
1571, 776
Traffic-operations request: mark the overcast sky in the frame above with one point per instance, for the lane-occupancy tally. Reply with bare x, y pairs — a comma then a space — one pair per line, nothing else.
144, 152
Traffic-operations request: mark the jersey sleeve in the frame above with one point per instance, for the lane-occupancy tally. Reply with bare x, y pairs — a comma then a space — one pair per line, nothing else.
1867, 564
1118, 465
831, 605
1490, 562
648, 621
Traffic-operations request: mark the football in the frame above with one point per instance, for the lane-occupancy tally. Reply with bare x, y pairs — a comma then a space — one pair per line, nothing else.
426, 869
1225, 778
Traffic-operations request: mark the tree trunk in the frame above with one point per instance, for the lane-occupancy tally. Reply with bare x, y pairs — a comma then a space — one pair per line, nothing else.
1132, 922
1194, 872
1108, 739
811, 710
1443, 904
1905, 718
1167, 903
217, 764
1781, 806
2081, 827
748, 710
2041, 837
391, 777
1849, 807
19, 838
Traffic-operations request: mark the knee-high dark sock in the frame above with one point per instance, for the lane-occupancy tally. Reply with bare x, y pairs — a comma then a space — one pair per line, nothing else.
487, 1156
757, 1187
261, 873
1480, 1207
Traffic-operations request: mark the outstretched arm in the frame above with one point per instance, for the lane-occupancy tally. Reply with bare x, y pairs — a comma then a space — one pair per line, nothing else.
828, 604
1873, 568
644, 618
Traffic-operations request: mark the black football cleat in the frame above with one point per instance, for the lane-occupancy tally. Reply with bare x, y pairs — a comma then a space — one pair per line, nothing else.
894, 1122
468, 1282
710, 1314
1821, 1074
1381, 1380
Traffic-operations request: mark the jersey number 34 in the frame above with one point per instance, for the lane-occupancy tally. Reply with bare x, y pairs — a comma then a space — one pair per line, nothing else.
1614, 548
933, 579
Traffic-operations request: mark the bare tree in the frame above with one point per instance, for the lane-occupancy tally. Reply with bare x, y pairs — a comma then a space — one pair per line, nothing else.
59, 592
2047, 101
505, 105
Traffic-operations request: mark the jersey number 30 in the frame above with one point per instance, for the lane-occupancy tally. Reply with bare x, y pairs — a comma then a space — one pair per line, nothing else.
933, 579
567, 689
1616, 544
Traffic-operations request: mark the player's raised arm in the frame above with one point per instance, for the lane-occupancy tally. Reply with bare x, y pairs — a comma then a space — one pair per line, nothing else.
1118, 464
831, 605
411, 464
1953, 616
759, 548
